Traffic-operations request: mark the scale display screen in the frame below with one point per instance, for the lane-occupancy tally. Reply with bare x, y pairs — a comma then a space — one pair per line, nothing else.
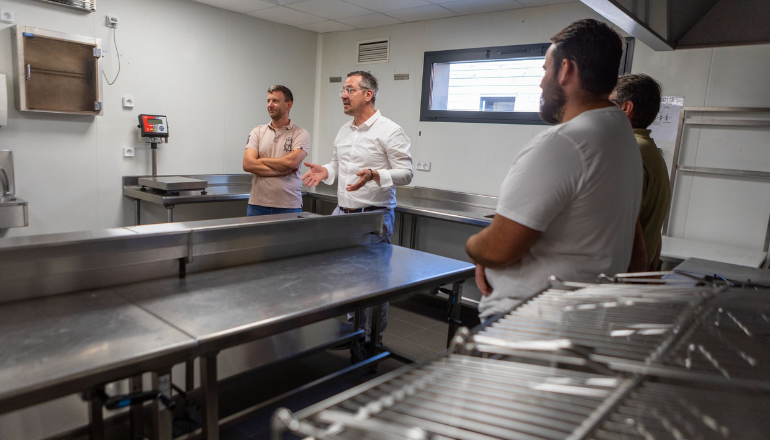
153, 125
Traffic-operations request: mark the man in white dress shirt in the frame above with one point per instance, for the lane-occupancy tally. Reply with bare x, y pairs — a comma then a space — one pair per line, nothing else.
370, 158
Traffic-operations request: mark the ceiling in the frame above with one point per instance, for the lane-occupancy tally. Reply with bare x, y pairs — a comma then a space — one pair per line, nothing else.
341, 15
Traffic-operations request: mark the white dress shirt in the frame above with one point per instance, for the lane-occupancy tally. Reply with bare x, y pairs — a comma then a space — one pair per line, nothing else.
379, 144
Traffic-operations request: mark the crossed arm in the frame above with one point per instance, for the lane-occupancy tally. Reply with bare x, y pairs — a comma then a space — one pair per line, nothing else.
272, 167
503, 243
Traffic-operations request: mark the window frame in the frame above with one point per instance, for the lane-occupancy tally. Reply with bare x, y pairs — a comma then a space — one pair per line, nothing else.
490, 53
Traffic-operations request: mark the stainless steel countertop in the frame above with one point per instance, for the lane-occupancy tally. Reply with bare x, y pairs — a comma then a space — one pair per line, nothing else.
55, 346
220, 308
410, 200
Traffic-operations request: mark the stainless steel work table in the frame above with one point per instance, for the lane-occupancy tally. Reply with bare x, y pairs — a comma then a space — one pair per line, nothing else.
451, 206
64, 343
56, 346
231, 306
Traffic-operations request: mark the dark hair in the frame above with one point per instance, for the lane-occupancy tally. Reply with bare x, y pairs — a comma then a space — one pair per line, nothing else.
596, 49
644, 92
283, 89
368, 81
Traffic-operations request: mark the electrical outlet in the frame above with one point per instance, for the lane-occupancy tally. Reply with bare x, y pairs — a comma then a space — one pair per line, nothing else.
7, 16
128, 102
128, 151
112, 21
423, 166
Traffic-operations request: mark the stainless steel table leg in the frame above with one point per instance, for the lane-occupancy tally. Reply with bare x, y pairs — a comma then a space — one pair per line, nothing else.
136, 410
356, 353
401, 230
170, 214
210, 397
137, 213
161, 416
454, 306
189, 375
413, 233
95, 417
374, 336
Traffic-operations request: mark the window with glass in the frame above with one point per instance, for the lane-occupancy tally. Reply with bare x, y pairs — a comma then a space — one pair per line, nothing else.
491, 85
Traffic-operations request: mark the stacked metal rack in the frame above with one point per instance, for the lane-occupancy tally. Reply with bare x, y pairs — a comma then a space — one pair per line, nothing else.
578, 361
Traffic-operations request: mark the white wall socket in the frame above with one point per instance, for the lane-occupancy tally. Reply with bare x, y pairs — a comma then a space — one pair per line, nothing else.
128, 151
7, 16
112, 21
423, 166
128, 102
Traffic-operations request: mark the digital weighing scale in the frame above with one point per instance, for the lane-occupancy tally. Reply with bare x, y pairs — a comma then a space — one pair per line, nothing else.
154, 130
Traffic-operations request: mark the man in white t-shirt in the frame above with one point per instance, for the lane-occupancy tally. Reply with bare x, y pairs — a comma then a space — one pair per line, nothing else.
570, 201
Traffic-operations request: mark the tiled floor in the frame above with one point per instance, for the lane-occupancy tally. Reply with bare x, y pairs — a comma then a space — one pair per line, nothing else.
414, 335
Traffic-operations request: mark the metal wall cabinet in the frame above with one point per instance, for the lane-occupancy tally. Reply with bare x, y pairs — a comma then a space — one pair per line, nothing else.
56, 72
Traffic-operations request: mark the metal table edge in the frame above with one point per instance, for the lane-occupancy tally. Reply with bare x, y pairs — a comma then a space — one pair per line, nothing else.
62, 386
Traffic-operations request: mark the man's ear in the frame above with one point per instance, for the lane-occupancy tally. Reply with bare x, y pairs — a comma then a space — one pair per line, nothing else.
368, 94
289, 104
628, 107
567, 70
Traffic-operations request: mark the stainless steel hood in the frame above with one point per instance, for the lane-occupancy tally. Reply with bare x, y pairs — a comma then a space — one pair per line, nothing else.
679, 24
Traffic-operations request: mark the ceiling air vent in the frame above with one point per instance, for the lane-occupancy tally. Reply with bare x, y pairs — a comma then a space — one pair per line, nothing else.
81, 5
373, 51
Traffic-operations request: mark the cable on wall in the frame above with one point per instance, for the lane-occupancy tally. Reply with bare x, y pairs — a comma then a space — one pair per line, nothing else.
117, 53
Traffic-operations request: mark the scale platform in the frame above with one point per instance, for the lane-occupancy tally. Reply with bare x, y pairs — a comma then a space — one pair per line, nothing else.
173, 183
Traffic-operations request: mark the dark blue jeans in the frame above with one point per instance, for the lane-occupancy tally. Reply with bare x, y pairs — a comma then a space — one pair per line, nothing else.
266, 210
387, 224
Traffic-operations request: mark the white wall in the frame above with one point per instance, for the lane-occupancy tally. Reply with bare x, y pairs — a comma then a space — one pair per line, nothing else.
475, 157
205, 68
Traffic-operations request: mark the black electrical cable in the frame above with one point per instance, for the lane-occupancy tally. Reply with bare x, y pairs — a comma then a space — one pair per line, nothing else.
117, 53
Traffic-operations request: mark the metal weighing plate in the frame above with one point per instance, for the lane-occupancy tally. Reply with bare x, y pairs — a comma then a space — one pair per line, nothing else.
173, 183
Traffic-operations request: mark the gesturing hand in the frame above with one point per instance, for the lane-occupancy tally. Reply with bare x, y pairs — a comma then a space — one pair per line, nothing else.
364, 176
315, 175
481, 280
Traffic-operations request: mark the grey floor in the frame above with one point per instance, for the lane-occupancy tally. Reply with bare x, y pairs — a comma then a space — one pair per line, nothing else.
408, 333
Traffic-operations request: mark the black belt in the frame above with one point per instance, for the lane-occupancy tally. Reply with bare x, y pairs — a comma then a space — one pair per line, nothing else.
367, 209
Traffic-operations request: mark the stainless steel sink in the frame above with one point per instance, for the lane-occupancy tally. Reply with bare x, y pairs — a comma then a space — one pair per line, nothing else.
13, 213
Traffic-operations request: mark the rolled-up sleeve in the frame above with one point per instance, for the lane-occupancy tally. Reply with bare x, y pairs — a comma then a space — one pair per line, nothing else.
398, 148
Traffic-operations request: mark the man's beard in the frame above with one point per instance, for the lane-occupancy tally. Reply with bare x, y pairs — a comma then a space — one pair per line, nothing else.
552, 103
277, 115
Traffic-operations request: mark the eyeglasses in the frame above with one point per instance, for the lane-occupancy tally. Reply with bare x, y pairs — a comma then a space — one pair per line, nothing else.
350, 90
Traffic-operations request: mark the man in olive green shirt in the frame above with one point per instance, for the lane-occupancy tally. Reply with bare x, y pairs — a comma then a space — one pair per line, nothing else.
639, 97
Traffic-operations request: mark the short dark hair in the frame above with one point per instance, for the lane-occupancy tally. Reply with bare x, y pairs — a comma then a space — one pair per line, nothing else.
368, 81
283, 89
644, 92
596, 49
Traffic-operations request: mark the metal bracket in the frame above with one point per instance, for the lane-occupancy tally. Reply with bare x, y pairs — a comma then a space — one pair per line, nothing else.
97, 53
98, 106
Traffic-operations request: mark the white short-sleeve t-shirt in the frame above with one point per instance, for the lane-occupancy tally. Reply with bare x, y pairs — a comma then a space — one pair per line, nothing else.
580, 184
